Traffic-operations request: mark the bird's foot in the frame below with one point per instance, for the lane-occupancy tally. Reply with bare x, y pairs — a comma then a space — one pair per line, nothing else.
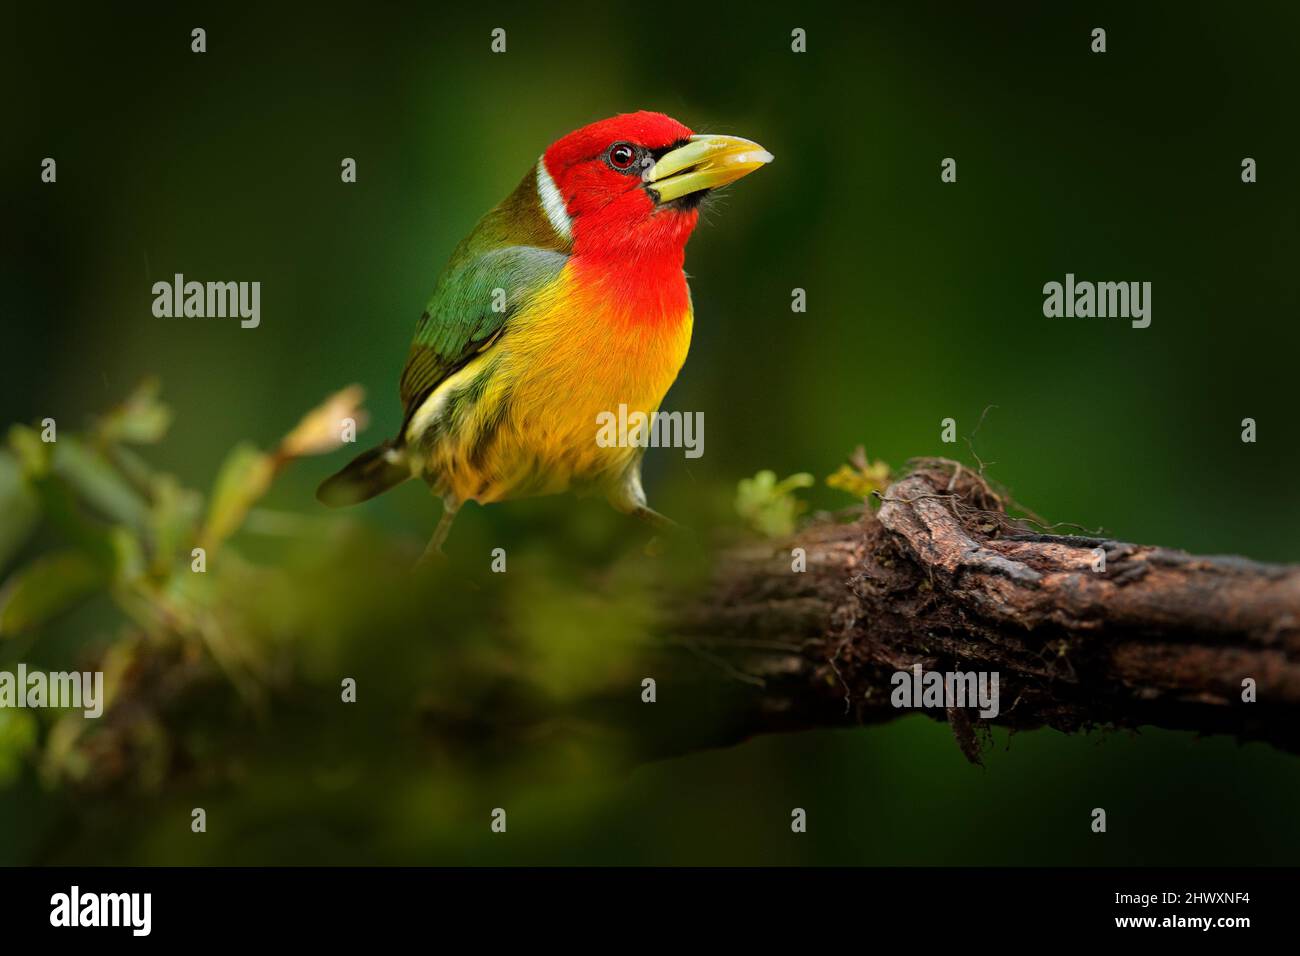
432, 557
667, 531
433, 554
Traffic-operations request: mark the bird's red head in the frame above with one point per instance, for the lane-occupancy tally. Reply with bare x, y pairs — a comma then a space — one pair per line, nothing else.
633, 182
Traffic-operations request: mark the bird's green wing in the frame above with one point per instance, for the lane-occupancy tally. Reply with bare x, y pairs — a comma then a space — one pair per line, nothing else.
475, 297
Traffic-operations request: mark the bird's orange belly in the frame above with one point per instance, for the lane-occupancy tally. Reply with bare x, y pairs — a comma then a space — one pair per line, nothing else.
533, 429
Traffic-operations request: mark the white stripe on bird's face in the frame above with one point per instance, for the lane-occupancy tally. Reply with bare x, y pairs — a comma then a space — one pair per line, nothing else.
553, 202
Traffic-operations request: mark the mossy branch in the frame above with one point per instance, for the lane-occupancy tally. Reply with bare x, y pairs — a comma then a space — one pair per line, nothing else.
942, 576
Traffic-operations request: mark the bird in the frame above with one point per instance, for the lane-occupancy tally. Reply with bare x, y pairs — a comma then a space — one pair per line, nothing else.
567, 300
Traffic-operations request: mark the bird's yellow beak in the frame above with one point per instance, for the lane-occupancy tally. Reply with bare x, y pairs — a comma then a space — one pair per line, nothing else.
706, 162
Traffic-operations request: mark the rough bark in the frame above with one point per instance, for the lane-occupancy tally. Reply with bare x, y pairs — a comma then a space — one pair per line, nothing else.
942, 576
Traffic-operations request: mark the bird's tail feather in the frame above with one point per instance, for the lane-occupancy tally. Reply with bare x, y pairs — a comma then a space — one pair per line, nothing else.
370, 473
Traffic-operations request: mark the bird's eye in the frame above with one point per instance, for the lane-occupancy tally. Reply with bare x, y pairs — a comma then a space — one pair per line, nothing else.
621, 156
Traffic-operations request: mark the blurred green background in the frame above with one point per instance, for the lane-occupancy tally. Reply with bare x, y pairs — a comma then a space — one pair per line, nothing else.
924, 302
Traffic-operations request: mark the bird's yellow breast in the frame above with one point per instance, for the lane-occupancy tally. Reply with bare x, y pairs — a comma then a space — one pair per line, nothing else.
522, 417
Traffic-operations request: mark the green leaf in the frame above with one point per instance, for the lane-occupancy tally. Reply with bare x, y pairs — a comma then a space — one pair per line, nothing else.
33, 454
860, 476
141, 419
19, 507
99, 484
63, 511
769, 506
17, 740
172, 522
244, 478
47, 587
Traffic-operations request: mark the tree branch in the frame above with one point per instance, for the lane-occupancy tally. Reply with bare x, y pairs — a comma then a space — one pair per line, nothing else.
944, 577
